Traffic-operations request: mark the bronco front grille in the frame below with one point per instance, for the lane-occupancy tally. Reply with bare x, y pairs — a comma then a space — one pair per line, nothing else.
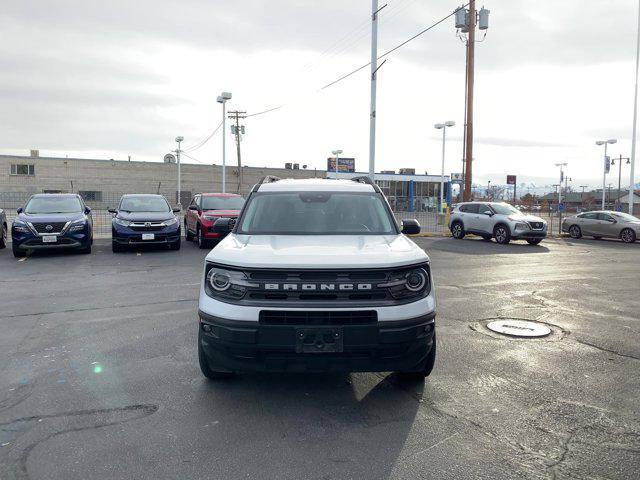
280, 317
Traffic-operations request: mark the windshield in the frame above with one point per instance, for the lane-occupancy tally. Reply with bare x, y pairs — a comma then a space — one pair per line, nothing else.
319, 213
504, 209
144, 204
222, 203
626, 217
53, 205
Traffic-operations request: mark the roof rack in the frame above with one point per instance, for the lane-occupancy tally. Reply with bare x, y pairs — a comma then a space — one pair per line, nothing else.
265, 179
368, 181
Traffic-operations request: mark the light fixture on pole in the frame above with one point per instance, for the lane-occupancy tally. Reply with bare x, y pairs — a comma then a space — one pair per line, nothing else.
606, 165
443, 127
179, 140
224, 96
613, 162
336, 153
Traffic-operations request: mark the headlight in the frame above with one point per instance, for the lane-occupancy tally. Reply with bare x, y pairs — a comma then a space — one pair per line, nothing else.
78, 225
120, 221
209, 218
408, 283
522, 226
168, 223
19, 226
224, 283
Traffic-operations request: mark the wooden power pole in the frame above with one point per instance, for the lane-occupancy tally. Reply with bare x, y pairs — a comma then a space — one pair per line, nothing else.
471, 43
238, 130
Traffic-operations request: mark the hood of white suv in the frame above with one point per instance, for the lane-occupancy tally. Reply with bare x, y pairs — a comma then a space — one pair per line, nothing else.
317, 251
525, 218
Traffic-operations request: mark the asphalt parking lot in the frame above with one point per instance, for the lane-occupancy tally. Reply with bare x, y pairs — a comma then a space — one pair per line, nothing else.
99, 376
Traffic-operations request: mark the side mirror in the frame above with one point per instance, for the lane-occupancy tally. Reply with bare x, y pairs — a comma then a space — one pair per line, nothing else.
193, 207
112, 210
177, 210
224, 225
19, 211
410, 226
87, 210
488, 212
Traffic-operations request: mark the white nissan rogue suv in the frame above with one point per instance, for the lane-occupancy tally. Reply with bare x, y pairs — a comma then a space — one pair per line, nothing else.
315, 276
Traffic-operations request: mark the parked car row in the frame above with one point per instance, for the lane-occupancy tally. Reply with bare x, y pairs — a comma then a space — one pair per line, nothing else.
49, 221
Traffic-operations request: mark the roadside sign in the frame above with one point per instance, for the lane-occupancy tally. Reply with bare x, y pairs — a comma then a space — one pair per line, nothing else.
562, 207
511, 179
607, 164
456, 178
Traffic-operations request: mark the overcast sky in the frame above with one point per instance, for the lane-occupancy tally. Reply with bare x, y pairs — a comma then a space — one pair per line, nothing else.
110, 79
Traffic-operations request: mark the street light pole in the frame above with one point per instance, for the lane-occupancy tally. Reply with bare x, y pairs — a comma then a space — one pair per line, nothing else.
443, 127
336, 153
489, 190
374, 69
604, 166
635, 120
224, 96
179, 140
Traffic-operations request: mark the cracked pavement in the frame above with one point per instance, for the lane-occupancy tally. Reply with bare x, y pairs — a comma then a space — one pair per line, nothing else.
99, 376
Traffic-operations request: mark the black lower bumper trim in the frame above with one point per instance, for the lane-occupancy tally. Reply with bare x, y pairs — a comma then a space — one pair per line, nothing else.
248, 346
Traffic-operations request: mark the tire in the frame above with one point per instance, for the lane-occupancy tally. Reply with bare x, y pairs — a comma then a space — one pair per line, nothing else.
575, 231
427, 366
502, 234
205, 367
116, 247
628, 236
457, 230
3, 236
188, 236
175, 245
87, 249
202, 241
17, 252
533, 241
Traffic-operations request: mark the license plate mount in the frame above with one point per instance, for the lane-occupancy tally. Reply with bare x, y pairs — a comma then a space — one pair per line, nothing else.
319, 340
148, 236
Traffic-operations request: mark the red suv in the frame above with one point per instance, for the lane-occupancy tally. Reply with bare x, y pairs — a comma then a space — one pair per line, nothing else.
204, 210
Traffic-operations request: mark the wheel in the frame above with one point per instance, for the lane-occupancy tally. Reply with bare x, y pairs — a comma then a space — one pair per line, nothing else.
188, 236
427, 366
86, 249
205, 367
502, 234
486, 238
575, 231
457, 231
175, 245
17, 252
3, 236
628, 236
116, 247
202, 241
533, 241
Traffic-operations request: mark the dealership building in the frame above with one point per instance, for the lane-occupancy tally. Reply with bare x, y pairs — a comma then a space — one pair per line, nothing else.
102, 182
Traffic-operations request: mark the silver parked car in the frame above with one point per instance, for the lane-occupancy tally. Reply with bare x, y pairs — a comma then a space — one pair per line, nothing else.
496, 220
603, 223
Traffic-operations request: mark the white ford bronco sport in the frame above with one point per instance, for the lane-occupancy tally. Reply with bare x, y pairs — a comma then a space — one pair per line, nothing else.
315, 276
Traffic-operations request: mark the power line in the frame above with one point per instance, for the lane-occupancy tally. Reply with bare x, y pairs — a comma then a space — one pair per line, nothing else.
392, 49
204, 141
192, 158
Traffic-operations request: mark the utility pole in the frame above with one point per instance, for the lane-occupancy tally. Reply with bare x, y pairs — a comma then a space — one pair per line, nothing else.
374, 69
238, 129
582, 195
471, 46
635, 121
179, 140
489, 190
613, 162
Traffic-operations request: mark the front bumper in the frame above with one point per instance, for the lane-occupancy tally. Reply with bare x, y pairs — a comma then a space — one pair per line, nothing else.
127, 236
234, 345
528, 234
29, 241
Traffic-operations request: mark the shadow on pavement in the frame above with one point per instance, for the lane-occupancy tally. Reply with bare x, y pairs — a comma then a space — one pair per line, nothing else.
478, 246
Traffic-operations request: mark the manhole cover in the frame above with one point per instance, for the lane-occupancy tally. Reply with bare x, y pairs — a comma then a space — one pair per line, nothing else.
519, 328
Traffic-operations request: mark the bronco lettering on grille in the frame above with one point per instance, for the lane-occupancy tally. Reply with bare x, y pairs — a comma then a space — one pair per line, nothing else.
318, 286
